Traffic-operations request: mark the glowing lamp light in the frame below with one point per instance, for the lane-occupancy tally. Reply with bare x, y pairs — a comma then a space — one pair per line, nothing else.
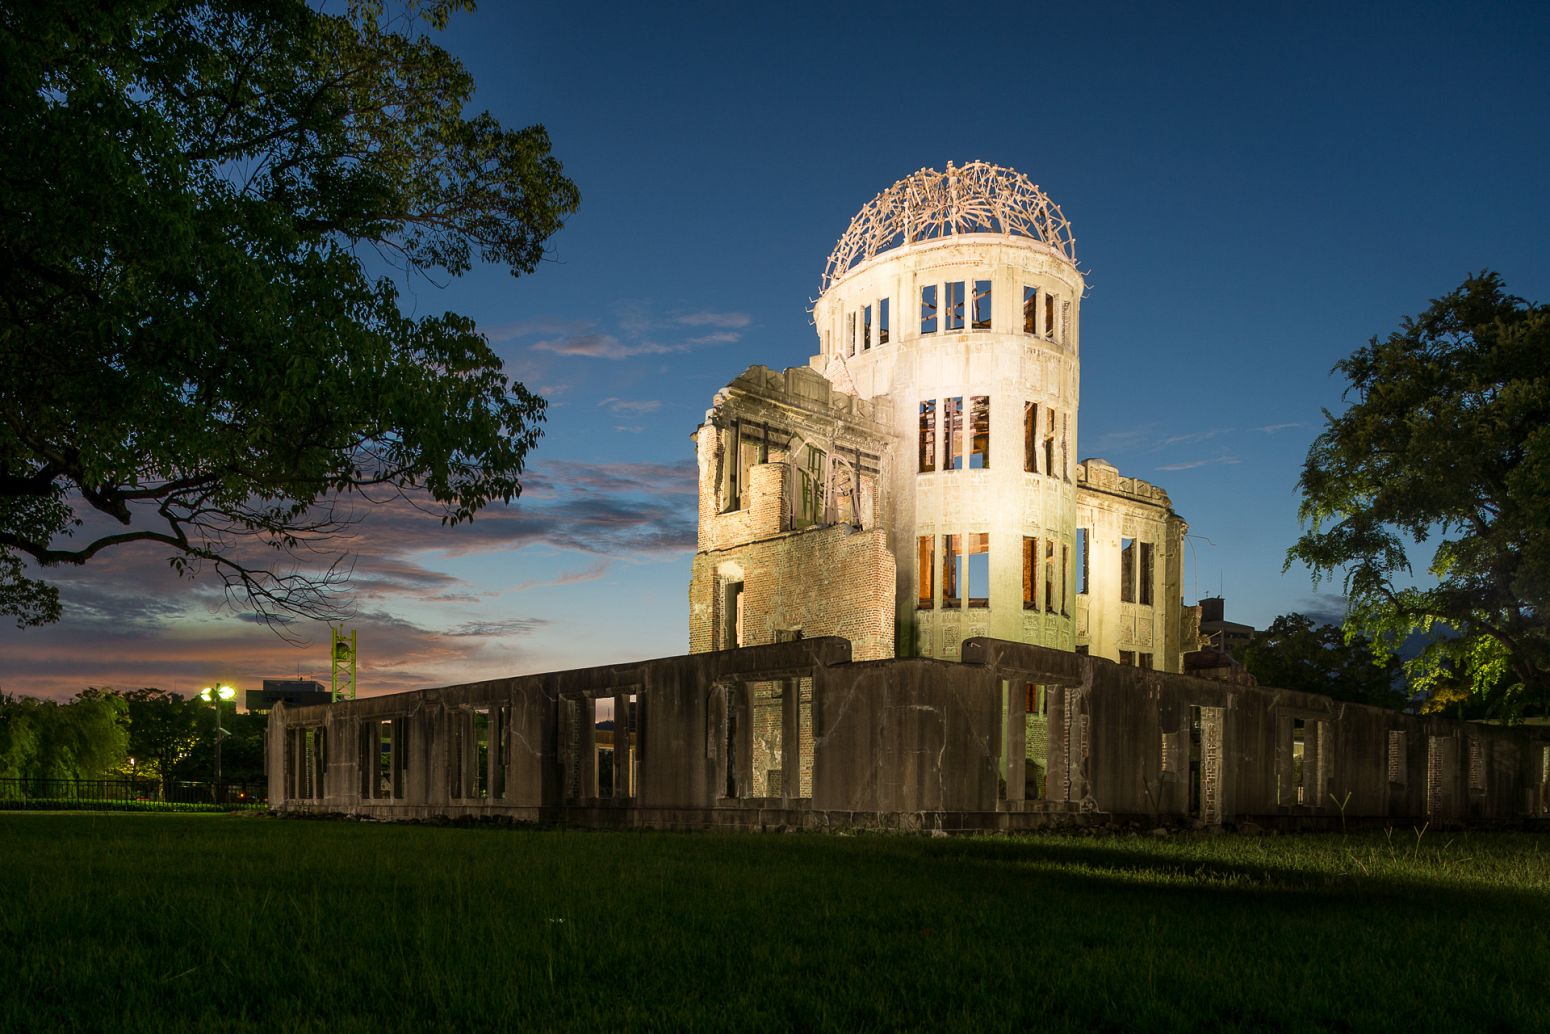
212, 693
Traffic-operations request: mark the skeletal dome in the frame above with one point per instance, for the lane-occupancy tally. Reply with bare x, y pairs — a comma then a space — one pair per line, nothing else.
973, 198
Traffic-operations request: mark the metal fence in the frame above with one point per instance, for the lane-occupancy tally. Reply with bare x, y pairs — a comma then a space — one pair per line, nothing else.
130, 794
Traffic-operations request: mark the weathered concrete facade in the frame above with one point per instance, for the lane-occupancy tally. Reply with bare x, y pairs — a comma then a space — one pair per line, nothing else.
797, 734
939, 414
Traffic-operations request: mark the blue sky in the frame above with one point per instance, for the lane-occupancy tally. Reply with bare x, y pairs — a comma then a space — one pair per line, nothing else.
1255, 191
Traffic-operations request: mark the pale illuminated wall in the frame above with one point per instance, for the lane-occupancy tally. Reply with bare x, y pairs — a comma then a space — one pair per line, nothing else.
1009, 365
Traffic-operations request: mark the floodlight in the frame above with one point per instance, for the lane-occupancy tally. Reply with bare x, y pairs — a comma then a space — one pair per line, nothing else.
226, 692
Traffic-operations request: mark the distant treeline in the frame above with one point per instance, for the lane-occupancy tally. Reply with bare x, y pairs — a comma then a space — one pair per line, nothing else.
146, 732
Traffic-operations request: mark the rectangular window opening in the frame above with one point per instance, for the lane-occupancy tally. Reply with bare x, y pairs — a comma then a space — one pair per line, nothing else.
1127, 658
1065, 575
1030, 310
882, 321
480, 742
767, 713
1049, 576
866, 328
1144, 660
812, 508
979, 569
927, 436
1049, 441
981, 305
928, 309
952, 571
979, 432
1398, 770
1127, 570
1031, 437
925, 569
603, 747
955, 305
1030, 571
1147, 566
952, 433
1049, 315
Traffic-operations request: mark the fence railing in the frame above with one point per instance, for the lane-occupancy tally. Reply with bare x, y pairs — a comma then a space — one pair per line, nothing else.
130, 794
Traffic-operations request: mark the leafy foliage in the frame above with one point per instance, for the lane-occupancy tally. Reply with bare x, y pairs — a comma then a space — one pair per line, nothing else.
84, 738
163, 731
192, 351
1447, 434
1295, 653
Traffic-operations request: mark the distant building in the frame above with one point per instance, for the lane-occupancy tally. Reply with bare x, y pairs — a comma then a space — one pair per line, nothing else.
293, 692
1223, 635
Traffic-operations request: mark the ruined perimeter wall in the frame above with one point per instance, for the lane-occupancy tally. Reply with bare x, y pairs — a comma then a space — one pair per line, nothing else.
796, 734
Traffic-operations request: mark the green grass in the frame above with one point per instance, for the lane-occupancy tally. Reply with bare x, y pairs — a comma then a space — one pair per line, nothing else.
174, 922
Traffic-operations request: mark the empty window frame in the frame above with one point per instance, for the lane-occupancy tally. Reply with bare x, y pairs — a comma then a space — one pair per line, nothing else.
479, 743
306, 763
383, 759
979, 432
928, 309
927, 435
1127, 658
1030, 572
1049, 576
952, 571
1127, 570
1049, 315
1049, 441
1398, 768
813, 477
1030, 310
882, 321
955, 302
1147, 560
604, 777
866, 328
978, 564
981, 311
1083, 537
952, 433
1144, 660
1065, 568
1031, 437
925, 569
740, 452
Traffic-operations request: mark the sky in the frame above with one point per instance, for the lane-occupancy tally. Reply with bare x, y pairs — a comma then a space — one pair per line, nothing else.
1255, 191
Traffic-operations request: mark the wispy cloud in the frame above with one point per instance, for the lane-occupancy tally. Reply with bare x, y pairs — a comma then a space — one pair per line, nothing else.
728, 320
617, 405
635, 332
1274, 428
1192, 464
587, 574
603, 346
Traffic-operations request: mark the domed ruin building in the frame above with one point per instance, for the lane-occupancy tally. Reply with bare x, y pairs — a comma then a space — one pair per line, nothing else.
916, 484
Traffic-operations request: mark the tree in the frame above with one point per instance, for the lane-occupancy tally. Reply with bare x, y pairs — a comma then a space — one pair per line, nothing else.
84, 738
163, 730
192, 350
1295, 653
1447, 435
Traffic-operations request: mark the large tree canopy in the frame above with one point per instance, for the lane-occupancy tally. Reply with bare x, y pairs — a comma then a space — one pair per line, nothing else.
1297, 653
192, 352
1447, 436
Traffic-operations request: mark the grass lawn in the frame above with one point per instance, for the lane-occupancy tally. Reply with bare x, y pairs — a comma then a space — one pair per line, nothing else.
170, 922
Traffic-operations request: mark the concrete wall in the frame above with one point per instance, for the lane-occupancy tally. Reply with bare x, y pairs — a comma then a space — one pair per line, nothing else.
798, 734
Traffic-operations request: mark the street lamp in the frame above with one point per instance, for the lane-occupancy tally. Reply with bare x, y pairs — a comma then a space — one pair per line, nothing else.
214, 695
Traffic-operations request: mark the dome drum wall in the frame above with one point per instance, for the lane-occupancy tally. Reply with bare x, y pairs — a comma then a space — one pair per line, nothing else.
1024, 364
